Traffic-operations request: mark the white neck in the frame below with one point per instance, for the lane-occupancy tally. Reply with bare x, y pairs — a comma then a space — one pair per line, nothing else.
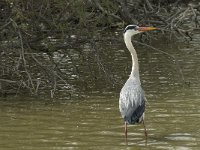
135, 66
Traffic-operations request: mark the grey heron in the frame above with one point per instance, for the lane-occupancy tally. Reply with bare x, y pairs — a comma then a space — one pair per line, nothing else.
132, 98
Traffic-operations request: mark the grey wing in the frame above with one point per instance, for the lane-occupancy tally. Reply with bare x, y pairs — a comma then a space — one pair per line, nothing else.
132, 103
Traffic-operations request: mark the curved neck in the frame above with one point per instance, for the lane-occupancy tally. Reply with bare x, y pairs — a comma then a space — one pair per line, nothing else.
135, 66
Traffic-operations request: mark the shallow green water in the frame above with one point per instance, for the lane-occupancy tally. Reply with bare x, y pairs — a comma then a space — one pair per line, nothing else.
95, 123
172, 114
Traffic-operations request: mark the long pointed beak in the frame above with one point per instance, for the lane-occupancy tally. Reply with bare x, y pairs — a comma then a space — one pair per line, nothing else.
146, 28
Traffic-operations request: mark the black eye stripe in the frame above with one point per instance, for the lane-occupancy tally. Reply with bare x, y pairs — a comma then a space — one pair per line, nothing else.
130, 27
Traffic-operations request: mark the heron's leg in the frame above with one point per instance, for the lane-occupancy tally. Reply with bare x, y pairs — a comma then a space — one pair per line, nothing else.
125, 124
145, 130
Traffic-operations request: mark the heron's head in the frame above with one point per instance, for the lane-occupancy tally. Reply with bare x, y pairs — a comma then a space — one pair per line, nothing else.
134, 29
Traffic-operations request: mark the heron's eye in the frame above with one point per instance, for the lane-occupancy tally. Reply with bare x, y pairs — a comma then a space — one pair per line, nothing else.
136, 28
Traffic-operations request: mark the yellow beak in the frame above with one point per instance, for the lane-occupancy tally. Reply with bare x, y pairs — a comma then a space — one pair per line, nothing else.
146, 28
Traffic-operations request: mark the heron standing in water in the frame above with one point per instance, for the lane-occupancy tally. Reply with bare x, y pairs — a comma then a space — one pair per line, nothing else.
132, 98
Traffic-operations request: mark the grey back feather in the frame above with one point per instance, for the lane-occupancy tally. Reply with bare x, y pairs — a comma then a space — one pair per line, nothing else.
132, 101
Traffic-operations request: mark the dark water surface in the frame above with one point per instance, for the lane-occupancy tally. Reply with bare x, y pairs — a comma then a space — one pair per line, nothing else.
172, 113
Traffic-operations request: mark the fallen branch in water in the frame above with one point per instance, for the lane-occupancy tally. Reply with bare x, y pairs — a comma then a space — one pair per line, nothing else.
173, 58
32, 35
